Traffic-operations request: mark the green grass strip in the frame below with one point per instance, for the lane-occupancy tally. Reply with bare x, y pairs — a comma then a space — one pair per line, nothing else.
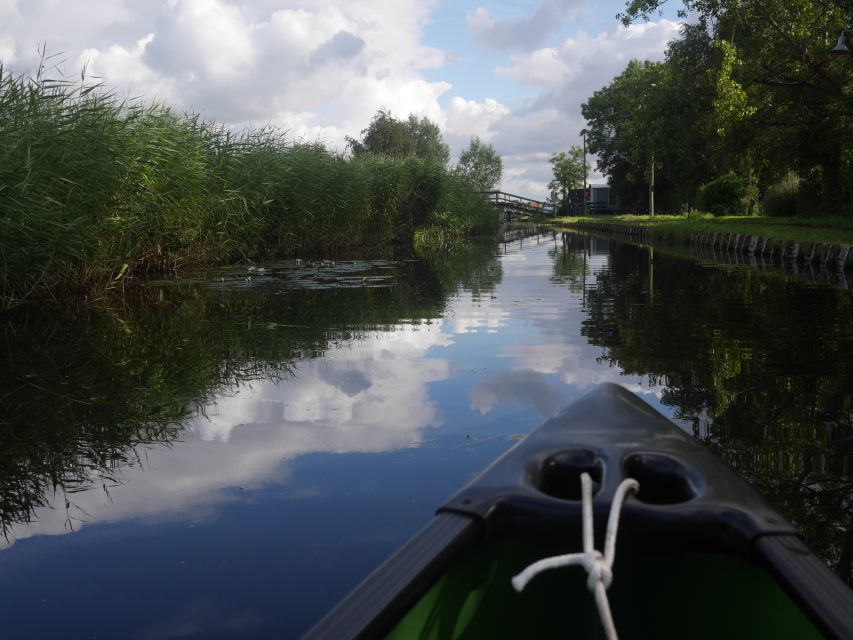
823, 230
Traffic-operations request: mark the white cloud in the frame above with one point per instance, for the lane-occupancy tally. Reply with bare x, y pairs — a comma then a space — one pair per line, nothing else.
585, 57
321, 70
118, 62
567, 75
8, 8
206, 40
7, 50
520, 33
464, 119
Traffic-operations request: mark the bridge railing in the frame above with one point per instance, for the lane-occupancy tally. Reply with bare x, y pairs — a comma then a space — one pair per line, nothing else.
504, 200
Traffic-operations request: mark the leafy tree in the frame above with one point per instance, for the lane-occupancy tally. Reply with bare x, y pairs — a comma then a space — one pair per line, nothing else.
386, 135
657, 111
428, 142
568, 171
390, 136
480, 165
618, 118
766, 94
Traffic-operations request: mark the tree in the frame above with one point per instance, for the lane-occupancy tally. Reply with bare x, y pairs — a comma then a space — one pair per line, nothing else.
390, 136
779, 102
568, 171
691, 115
427, 139
480, 165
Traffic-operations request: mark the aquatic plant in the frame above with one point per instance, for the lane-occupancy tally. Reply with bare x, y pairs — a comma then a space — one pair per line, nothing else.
95, 188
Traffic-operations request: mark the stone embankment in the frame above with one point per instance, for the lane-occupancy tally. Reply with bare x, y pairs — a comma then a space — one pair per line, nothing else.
830, 256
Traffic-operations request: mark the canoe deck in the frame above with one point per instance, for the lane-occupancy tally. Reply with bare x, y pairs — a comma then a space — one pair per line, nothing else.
680, 595
699, 553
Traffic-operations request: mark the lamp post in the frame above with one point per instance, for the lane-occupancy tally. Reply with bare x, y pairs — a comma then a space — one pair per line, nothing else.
844, 43
583, 187
652, 181
652, 187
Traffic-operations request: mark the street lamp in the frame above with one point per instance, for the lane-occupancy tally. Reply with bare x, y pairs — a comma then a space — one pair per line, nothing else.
583, 190
652, 181
843, 44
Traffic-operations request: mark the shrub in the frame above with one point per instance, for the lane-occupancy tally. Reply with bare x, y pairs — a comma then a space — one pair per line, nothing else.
722, 196
780, 199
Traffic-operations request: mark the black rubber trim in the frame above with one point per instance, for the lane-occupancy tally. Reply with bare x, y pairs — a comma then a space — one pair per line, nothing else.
822, 595
380, 601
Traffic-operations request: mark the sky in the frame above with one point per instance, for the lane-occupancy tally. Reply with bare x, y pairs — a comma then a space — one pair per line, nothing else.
512, 73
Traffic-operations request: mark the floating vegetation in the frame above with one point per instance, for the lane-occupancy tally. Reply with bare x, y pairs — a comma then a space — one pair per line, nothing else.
325, 274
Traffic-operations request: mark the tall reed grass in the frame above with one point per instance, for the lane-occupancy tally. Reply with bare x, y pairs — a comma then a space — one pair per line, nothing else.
94, 188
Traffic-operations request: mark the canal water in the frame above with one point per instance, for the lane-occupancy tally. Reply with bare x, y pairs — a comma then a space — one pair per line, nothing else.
227, 455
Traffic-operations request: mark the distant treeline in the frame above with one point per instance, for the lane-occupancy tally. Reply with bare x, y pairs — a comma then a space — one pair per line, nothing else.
95, 189
750, 112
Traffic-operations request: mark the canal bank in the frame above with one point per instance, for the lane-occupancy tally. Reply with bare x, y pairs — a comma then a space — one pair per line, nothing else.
728, 247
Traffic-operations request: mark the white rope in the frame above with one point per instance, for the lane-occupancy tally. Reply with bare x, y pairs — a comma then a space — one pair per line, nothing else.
599, 567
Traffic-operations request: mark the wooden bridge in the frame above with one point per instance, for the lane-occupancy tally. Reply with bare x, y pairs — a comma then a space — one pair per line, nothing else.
510, 205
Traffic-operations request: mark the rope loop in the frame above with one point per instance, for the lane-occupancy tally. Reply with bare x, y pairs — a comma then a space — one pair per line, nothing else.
598, 566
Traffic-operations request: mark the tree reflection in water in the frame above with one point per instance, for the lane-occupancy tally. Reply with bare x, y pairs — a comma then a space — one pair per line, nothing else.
85, 391
758, 364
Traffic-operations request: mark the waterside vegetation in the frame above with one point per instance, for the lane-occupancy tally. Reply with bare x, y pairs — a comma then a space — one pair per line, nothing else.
682, 227
95, 189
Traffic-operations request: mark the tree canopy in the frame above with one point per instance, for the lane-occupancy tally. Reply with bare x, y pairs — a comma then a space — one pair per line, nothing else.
750, 88
480, 165
391, 136
568, 171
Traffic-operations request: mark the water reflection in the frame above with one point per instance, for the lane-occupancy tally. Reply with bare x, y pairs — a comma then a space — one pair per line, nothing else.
90, 396
236, 455
369, 397
759, 366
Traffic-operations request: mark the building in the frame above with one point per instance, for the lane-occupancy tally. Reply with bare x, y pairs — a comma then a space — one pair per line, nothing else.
599, 197
602, 199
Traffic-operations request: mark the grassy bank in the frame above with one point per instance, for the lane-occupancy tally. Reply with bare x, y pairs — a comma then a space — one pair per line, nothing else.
824, 230
94, 189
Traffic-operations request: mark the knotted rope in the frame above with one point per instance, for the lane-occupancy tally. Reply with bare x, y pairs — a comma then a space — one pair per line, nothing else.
599, 567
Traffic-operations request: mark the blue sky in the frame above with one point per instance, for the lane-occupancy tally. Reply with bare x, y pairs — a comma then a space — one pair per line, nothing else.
512, 73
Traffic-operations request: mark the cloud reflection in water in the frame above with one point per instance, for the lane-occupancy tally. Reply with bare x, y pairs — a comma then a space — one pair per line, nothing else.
369, 395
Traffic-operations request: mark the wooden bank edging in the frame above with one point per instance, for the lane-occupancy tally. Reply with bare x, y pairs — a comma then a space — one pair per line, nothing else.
835, 256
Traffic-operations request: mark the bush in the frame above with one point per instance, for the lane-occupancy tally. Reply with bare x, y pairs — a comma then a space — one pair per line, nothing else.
722, 196
780, 199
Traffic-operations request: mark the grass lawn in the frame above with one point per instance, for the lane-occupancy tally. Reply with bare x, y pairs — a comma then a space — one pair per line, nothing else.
827, 230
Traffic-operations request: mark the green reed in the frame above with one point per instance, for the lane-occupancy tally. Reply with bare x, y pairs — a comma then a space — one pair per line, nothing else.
94, 189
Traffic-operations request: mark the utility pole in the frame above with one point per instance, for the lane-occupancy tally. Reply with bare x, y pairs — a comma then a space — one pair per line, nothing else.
652, 187
583, 190
652, 181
